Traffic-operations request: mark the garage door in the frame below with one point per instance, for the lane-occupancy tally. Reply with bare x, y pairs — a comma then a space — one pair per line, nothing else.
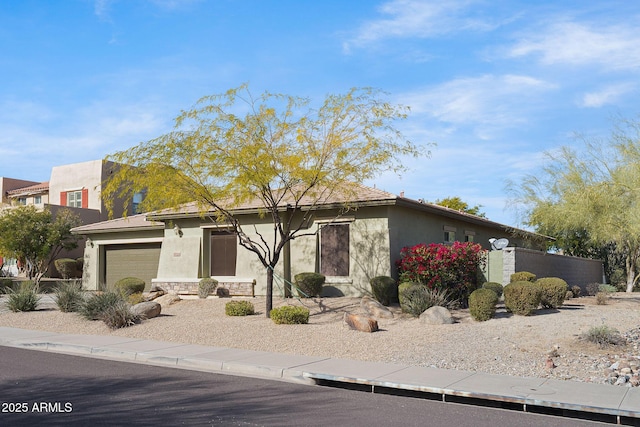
135, 260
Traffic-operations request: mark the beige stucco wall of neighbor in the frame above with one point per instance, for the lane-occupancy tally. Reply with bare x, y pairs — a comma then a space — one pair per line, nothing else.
94, 268
574, 270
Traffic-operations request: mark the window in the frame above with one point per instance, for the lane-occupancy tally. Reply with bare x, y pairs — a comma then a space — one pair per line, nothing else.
22, 201
74, 199
334, 250
469, 236
135, 205
449, 234
224, 245
37, 200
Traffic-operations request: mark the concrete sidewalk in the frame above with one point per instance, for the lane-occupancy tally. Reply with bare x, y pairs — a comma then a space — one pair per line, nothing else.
563, 398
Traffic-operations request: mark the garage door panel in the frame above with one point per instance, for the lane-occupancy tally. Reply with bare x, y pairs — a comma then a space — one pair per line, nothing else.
139, 260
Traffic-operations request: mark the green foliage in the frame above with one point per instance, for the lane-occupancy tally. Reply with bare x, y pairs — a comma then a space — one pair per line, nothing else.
495, 287
239, 308
135, 298
35, 237
206, 287
118, 315
554, 291
603, 336
523, 276
482, 304
522, 297
5, 284
67, 267
290, 315
129, 285
69, 295
607, 288
274, 150
591, 187
415, 298
309, 284
24, 298
94, 306
384, 289
457, 204
576, 291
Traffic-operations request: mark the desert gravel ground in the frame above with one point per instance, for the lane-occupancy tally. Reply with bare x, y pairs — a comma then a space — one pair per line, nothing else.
507, 344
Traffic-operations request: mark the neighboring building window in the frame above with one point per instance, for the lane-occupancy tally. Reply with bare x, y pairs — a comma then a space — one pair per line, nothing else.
22, 200
37, 200
224, 246
135, 204
74, 199
334, 250
469, 236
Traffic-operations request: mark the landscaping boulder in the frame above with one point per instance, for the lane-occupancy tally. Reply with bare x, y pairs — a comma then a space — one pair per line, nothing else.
374, 309
437, 316
147, 309
150, 296
167, 299
361, 323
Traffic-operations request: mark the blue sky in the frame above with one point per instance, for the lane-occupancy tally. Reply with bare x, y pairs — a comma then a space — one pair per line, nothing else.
494, 83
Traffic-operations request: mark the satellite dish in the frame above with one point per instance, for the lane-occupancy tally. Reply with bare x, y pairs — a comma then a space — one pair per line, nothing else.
498, 244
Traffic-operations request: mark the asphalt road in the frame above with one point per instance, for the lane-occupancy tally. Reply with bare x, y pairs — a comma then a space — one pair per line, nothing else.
50, 389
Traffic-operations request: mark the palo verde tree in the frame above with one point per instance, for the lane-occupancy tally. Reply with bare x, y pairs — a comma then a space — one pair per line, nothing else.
35, 237
274, 151
593, 193
458, 204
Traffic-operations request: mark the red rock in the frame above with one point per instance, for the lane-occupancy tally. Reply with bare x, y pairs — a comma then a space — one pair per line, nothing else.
361, 323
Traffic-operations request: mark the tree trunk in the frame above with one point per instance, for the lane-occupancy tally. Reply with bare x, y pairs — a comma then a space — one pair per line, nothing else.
631, 272
269, 292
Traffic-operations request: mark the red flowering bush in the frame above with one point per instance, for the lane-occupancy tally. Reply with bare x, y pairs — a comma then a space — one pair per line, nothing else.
447, 267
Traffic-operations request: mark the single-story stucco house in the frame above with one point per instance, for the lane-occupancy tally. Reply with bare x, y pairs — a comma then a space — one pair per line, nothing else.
175, 248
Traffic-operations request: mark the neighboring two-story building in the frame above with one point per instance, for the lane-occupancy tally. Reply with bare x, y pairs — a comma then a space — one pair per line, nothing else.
75, 186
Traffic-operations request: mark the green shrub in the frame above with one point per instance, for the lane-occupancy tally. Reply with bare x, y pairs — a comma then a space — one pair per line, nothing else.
135, 298
129, 285
482, 304
67, 267
5, 284
554, 291
604, 336
24, 297
309, 284
69, 295
206, 286
384, 289
569, 295
289, 315
93, 307
576, 291
522, 297
523, 276
495, 287
593, 289
607, 288
80, 265
119, 315
239, 308
416, 298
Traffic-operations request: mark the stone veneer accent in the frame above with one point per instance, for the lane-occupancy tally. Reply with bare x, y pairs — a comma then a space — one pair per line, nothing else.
237, 287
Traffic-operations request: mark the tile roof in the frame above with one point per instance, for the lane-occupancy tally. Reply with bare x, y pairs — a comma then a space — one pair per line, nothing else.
39, 187
128, 223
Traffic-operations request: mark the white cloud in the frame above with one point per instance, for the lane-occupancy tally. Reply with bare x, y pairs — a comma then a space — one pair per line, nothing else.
417, 18
612, 48
607, 95
487, 102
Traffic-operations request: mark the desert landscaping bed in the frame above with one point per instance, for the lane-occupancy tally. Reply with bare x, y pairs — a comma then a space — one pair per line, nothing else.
545, 345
